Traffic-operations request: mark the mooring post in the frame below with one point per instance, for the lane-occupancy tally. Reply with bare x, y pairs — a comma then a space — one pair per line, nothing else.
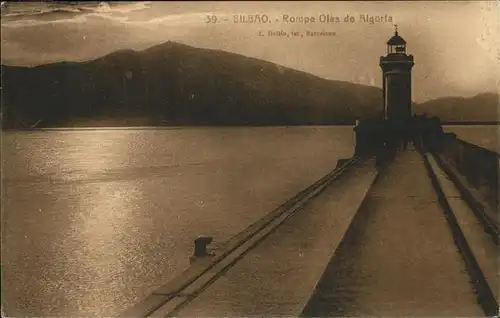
200, 248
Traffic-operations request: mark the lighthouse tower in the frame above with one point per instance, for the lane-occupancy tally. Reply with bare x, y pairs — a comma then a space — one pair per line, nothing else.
395, 127
396, 70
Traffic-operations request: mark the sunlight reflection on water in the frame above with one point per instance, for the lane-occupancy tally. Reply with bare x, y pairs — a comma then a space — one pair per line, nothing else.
94, 220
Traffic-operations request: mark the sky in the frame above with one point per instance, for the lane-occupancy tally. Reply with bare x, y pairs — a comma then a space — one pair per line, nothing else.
455, 44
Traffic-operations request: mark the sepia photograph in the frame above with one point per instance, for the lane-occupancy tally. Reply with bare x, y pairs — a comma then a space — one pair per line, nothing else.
250, 158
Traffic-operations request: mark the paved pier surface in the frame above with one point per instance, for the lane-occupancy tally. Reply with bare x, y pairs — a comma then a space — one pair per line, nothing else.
278, 276
369, 244
398, 258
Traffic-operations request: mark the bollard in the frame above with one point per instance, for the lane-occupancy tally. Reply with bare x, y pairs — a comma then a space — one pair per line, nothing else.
200, 248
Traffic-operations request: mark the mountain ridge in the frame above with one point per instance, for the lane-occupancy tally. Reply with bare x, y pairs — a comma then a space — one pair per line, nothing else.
179, 84
463, 109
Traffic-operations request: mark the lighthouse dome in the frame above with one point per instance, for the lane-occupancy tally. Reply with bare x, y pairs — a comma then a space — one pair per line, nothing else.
396, 40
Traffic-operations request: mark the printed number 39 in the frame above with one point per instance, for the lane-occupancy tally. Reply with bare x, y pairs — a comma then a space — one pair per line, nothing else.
211, 19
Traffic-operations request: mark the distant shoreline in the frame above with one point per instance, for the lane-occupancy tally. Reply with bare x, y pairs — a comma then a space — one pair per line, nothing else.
172, 127
470, 123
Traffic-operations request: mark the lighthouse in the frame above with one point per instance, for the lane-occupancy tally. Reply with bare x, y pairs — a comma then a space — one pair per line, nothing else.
396, 71
394, 127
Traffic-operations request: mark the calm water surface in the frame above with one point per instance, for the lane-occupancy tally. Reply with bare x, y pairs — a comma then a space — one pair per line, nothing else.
94, 220
484, 136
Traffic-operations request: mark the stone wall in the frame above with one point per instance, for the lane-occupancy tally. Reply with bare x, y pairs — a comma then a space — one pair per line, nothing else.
478, 165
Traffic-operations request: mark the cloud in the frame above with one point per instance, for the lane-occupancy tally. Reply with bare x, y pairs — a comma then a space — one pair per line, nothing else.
116, 14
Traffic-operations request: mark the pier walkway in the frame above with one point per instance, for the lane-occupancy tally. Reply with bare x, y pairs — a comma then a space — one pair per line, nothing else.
399, 258
371, 243
278, 276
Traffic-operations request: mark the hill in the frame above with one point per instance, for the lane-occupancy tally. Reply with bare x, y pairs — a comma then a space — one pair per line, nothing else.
482, 108
176, 84
180, 85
